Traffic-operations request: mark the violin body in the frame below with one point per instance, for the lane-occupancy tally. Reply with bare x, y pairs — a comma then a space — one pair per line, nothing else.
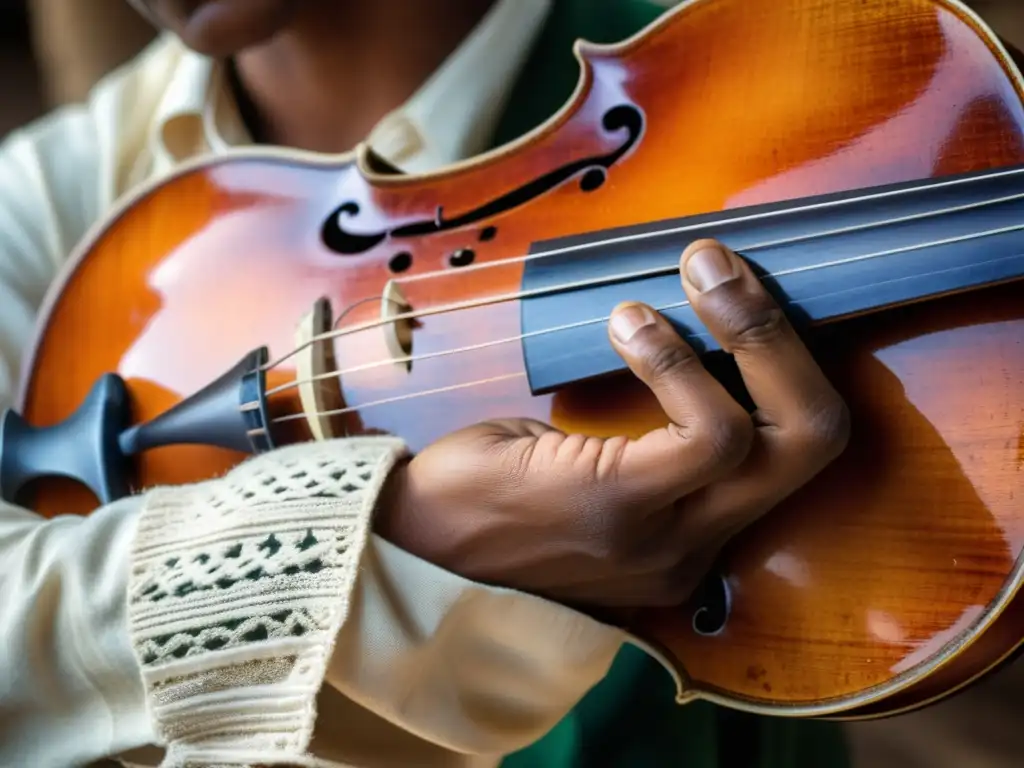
889, 581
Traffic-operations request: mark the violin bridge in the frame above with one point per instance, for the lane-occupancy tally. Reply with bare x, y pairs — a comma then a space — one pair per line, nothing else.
319, 384
397, 333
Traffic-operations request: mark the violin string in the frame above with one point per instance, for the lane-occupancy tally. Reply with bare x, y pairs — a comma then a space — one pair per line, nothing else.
682, 228
407, 359
351, 307
399, 398
650, 272
464, 385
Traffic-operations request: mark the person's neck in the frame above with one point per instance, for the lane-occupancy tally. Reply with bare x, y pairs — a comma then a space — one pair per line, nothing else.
324, 83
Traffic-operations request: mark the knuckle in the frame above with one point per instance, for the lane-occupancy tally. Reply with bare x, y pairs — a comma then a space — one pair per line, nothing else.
724, 439
825, 431
668, 361
753, 323
733, 438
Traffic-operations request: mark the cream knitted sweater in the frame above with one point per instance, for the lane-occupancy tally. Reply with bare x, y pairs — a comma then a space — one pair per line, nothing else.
238, 589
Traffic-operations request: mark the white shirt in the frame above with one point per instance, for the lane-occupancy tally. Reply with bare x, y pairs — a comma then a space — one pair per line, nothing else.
69, 681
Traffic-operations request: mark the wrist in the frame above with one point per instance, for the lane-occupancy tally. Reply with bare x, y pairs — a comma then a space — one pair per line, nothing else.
408, 517
391, 515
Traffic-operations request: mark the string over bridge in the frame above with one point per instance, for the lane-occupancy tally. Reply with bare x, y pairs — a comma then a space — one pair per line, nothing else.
397, 332
319, 390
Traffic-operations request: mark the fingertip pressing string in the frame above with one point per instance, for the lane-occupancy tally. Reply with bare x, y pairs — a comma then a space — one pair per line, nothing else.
650, 272
581, 323
653, 272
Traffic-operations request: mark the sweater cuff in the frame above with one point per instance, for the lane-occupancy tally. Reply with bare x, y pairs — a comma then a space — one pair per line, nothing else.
238, 589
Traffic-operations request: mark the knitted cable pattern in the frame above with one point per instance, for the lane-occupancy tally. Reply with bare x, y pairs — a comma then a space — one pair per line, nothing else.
238, 588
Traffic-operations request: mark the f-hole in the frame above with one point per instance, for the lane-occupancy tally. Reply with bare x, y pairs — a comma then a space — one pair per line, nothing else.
713, 604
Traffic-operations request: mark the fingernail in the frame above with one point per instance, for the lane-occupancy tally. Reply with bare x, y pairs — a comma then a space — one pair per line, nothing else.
626, 321
708, 268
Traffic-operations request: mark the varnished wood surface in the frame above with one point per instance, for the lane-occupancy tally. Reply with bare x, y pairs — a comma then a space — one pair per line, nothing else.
872, 573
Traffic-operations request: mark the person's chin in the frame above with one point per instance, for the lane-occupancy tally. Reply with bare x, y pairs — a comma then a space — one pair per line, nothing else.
222, 28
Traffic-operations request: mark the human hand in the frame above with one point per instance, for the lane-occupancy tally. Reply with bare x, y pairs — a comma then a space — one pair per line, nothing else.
618, 522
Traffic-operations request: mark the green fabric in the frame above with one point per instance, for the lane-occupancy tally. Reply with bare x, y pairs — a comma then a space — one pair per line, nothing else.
551, 72
631, 719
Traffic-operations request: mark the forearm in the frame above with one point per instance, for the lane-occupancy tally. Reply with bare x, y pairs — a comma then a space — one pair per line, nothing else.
461, 667
471, 668
70, 690
239, 587
205, 618
199, 618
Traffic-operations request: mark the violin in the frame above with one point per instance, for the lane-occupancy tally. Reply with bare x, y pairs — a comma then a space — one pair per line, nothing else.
865, 156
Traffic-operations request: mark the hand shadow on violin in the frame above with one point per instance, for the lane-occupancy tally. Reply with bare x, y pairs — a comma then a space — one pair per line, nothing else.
899, 546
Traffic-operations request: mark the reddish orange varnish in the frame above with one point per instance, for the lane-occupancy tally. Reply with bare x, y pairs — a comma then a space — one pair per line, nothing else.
874, 589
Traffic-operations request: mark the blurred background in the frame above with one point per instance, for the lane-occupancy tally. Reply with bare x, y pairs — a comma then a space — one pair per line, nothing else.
53, 51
